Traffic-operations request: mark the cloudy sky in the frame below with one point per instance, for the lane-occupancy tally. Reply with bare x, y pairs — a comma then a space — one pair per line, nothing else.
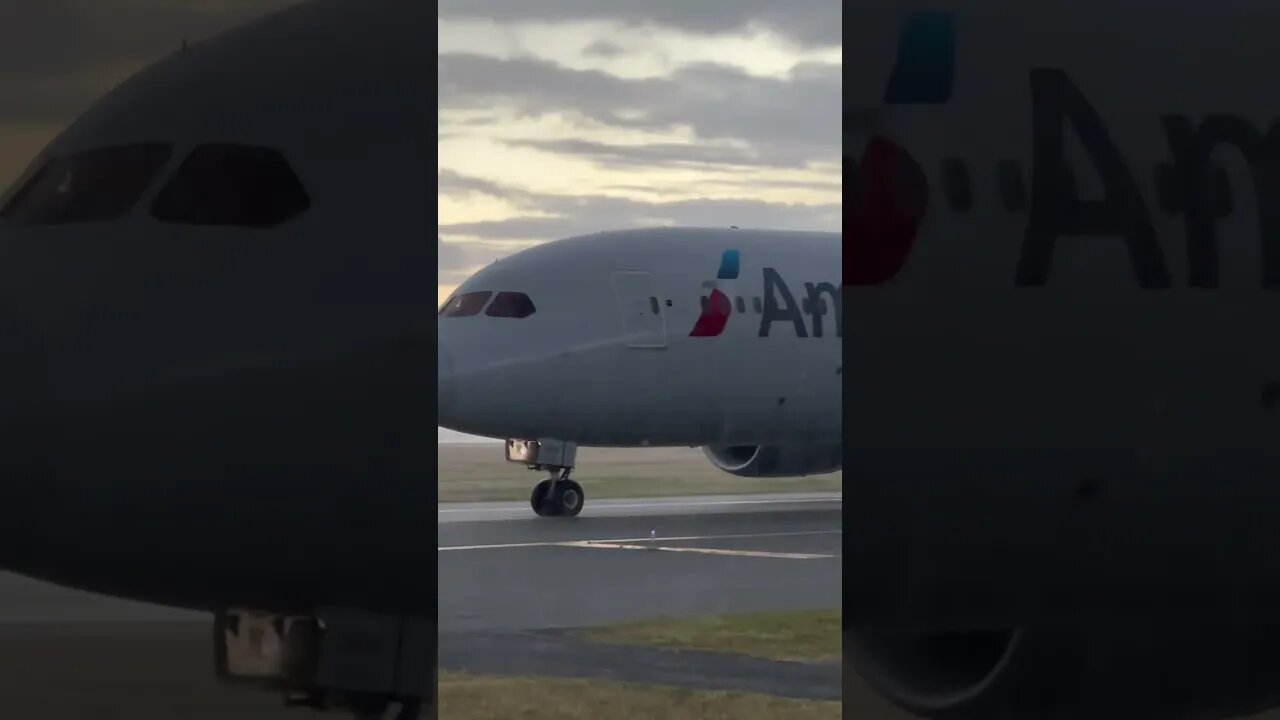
560, 117
556, 116
58, 56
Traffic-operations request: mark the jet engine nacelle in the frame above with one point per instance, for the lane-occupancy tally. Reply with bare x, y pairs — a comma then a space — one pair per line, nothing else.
775, 460
1186, 669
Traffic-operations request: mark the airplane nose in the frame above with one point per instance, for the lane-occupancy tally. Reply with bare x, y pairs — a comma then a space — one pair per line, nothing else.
445, 385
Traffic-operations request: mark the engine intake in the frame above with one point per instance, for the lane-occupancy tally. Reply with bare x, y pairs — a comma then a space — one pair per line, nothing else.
1191, 670
767, 461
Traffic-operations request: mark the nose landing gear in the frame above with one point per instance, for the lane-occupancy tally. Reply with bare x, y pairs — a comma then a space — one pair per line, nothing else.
339, 658
556, 496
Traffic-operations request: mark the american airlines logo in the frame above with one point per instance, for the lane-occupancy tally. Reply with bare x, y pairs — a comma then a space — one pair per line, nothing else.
889, 201
717, 308
890, 192
779, 304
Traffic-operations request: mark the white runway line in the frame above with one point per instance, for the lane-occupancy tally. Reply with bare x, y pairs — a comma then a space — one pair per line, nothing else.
498, 546
731, 536
703, 551
626, 543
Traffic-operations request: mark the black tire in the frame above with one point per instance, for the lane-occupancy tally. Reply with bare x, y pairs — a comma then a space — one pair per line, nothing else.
541, 504
570, 497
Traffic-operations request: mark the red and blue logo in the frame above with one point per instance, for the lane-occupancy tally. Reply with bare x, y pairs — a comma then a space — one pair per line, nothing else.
889, 193
717, 308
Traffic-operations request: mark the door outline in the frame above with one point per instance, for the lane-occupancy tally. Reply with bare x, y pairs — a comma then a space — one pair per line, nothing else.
635, 292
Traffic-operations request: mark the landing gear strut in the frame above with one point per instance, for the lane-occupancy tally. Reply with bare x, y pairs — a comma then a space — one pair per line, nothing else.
556, 496
337, 659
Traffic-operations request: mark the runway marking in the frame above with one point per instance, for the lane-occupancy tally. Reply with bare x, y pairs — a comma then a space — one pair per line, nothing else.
626, 541
703, 551
730, 536
671, 503
497, 546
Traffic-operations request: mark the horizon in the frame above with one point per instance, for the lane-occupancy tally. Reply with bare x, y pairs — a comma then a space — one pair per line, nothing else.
445, 436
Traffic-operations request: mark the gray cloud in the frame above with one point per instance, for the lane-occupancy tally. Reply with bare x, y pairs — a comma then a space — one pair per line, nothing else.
797, 118
737, 120
602, 48
578, 214
447, 255
452, 261
811, 22
449, 182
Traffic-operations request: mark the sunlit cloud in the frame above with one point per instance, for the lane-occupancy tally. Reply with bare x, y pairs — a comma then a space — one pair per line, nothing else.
559, 117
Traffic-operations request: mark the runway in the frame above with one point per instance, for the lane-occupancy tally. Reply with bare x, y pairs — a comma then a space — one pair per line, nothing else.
514, 591
648, 507
513, 587
501, 568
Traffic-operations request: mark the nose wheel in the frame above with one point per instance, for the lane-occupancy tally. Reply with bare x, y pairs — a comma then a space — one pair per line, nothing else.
557, 497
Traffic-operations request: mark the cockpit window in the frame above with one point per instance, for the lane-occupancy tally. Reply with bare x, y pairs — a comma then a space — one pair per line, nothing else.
466, 305
505, 305
511, 305
236, 185
91, 186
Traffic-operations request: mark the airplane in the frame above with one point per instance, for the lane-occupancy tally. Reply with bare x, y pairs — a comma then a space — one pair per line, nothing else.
1059, 458
1060, 269
727, 339
216, 337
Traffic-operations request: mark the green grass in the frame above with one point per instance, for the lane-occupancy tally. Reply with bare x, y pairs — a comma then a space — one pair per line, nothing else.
812, 636
472, 473
485, 697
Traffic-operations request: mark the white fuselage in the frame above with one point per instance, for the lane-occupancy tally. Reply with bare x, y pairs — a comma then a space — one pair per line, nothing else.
1092, 312
607, 357
1076, 362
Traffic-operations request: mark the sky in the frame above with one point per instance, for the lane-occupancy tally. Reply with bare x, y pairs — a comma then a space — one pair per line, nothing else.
58, 56
563, 117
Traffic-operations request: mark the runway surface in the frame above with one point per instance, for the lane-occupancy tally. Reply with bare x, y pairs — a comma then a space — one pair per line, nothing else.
513, 586
514, 590
647, 507
501, 568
